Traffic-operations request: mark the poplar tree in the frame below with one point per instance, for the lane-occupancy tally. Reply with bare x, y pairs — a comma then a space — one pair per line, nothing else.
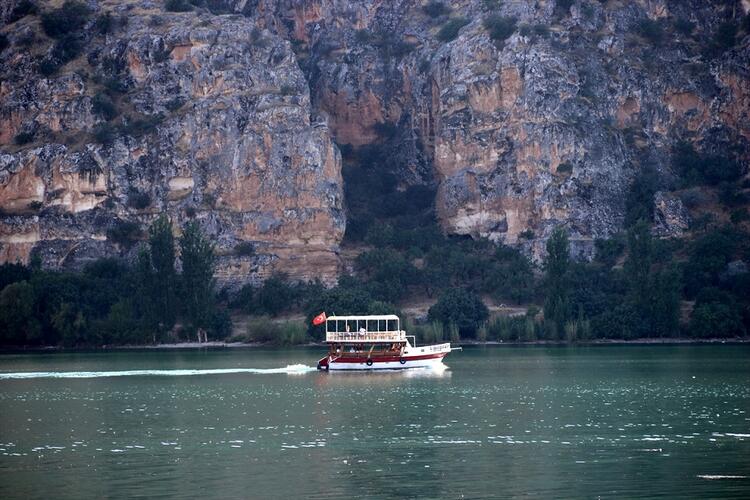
198, 262
557, 308
161, 241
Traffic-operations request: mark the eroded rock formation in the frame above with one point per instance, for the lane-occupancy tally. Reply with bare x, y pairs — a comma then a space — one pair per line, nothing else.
230, 115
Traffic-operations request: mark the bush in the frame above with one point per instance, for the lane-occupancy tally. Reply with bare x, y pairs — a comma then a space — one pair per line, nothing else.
639, 201
609, 250
66, 48
565, 168
244, 249
725, 36
104, 23
696, 169
103, 106
141, 126
69, 18
275, 295
267, 331
23, 138
500, 28
436, 9
684, 26
124, 233
48, 67
177, 6
3, 42
461, 308
562, 7
138, 199
449, 31
22, 9
651, 31
526, 234
104, 133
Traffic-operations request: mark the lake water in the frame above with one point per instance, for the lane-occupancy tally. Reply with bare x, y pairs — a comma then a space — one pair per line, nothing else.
609, 421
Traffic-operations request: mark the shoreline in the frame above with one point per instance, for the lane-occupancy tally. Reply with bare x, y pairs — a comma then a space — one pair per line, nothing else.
463, 343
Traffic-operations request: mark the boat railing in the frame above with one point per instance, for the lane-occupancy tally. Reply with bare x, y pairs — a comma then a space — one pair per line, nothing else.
437, 347
394, 336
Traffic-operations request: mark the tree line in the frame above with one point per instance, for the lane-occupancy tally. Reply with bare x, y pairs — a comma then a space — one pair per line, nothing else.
113, 302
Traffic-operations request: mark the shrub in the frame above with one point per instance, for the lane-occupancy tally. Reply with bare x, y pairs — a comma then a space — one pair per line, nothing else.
35, 205
104, 23
500, 28
288, 90
23, 138
684, 26
650, 30
609, 250
104, 133
266, 330
362, 36
436, 9
124, 233
460, 307
69, 18
115, 85
177, 6
48, 67
3, 42
244, 249
449, 31
138, 199
22, 9
565, 168
526, 234
541, 30
562, 7
103, 106
725, 36
143, 125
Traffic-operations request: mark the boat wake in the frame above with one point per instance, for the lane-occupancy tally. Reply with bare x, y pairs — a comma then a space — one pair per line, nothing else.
289, 369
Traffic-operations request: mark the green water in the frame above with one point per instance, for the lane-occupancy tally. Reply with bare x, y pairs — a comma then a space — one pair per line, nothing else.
610, 421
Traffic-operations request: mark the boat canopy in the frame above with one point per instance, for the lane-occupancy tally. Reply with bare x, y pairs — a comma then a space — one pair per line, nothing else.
371, 328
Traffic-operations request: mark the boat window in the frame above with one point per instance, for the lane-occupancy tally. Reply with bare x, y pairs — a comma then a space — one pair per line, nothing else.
392, 325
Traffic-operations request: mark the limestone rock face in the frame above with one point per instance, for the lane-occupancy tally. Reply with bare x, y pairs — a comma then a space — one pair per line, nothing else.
211, 121
547, 128
229, 113
671, 218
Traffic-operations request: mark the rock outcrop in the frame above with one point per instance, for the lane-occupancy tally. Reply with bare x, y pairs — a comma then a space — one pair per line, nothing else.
196, 115
232, 118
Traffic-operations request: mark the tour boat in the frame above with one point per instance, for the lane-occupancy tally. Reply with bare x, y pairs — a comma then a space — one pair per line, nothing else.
375, 343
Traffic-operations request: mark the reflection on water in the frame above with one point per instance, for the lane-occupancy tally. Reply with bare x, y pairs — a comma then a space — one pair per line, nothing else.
544, 422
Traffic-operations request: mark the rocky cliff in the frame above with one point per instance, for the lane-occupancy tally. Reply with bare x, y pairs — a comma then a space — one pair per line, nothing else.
527, 115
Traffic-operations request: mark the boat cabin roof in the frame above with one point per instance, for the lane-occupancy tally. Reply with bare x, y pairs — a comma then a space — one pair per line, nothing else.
369, 329
369, 317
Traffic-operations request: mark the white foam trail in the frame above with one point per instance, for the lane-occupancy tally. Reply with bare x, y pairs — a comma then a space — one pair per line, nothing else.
712, 476
290, 369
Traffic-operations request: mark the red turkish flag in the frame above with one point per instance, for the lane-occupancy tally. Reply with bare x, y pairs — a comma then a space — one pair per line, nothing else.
319, 319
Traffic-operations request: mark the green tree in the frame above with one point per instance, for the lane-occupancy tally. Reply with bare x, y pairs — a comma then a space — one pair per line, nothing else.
145, 301
17, 322
460, 307
164, 278
557, 306
653, 294
198, 262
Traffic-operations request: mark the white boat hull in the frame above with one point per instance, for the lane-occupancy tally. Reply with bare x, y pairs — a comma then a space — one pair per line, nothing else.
422, 357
